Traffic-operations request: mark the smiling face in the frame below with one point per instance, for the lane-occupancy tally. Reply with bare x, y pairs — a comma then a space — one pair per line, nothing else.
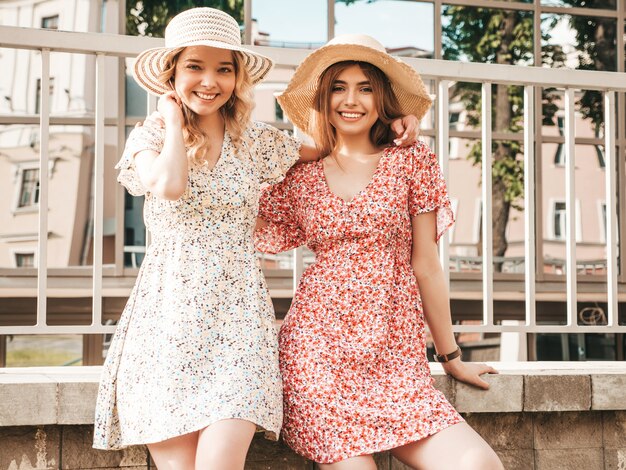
204, 78
353, 108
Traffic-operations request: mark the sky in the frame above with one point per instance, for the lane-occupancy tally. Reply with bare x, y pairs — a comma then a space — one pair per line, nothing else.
395, 23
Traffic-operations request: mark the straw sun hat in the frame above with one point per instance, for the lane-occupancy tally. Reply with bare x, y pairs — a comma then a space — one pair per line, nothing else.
197, 27
297, 99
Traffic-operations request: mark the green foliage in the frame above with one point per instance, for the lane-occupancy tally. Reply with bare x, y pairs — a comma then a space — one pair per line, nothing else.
149, 18
503, 37
596, 40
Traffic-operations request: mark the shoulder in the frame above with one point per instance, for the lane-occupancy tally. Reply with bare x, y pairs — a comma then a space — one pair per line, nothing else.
147, 133
413, 158
258, 129
302, 174
263, 132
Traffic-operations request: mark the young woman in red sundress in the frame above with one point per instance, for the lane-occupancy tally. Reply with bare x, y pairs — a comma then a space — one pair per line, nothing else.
352, 347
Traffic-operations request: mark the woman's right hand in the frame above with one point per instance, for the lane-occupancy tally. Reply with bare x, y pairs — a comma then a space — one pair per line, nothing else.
468, 372
170, 108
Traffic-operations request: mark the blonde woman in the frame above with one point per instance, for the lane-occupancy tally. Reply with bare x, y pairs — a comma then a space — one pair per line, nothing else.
352, 347
193, 367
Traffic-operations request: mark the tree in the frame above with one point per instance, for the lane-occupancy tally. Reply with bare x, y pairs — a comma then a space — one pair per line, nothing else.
596, 43
501, 37
149, 18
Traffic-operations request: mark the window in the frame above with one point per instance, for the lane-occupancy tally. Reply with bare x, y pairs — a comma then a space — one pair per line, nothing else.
29, 188
50, 22
599, 150
559, 157
559, 221
38, 95
25, 260
603, 220
278, 112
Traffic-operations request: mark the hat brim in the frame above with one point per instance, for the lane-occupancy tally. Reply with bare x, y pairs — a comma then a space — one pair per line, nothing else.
150, 63
297, 99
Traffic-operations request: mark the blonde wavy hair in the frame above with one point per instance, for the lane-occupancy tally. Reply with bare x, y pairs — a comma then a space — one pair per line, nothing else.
236, 112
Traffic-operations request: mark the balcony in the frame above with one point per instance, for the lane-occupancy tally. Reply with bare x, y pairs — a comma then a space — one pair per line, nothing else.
544, 284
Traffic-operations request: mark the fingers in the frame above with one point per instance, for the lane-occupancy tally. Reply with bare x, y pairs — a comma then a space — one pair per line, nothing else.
397, 127
480, 383
403, 140
486, 369
137, 124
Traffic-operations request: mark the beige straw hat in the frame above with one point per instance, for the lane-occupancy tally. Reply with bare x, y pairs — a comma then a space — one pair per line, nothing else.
297, 99
197, 27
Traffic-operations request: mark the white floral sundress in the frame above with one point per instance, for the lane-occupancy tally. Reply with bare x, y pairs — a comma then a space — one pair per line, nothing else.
196, 342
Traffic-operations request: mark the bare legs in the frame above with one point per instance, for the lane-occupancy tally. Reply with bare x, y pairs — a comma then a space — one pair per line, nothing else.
221, 446
458, 447
224, 445
178, 453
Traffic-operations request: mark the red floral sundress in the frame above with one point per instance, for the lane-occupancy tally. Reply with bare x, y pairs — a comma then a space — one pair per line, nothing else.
352, 347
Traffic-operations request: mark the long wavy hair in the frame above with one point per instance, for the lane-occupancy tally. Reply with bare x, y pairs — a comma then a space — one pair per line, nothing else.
236, 111
385, 100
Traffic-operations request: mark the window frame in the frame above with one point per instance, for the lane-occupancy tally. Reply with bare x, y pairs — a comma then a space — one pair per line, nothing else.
19, 178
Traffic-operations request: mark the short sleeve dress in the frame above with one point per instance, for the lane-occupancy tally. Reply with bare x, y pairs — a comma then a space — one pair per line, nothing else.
196, 342
352, 347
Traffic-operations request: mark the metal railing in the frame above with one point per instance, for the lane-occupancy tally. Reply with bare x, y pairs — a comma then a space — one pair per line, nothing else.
444, 73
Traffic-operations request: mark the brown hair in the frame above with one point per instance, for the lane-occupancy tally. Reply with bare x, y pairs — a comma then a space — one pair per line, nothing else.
385, 101
236, 112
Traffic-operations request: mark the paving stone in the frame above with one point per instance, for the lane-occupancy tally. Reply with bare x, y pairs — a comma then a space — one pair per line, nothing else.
30, 404
266, 454
615, 459
77, 402
557, 392
382, 460
517, 459
607, 392
78, 454
397, 465
614, 429
503, 430
570, 430
569, 459
29, 447
445, 384
505, 394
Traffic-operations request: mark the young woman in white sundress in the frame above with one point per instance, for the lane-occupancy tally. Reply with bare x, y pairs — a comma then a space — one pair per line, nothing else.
193, 368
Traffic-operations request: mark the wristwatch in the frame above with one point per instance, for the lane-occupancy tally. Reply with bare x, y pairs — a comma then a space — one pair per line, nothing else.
448, 357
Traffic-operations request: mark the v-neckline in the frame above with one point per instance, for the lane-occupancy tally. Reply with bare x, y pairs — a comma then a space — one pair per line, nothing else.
221, 154
360, 193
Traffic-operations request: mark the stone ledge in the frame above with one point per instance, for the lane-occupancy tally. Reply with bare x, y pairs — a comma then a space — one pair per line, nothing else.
66, 395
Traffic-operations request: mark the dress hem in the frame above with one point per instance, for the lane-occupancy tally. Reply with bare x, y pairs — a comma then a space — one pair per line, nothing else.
372, 450
268, 434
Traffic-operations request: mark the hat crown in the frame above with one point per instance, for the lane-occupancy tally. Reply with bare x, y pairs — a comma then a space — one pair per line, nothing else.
198, 25
357, 40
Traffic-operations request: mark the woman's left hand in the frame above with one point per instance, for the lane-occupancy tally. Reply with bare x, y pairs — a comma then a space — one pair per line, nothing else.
406, 130
468, 372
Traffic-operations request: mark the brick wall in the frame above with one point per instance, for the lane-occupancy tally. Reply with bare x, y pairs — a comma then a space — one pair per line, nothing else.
565, 417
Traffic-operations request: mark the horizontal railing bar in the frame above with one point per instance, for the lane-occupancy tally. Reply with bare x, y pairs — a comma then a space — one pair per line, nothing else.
108, 329
120, 45
11, 119
76, 42
537, 329
57, 329
130, 121
517, 6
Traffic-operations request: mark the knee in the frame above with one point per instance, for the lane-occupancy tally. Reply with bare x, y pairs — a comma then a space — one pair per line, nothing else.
481, 459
